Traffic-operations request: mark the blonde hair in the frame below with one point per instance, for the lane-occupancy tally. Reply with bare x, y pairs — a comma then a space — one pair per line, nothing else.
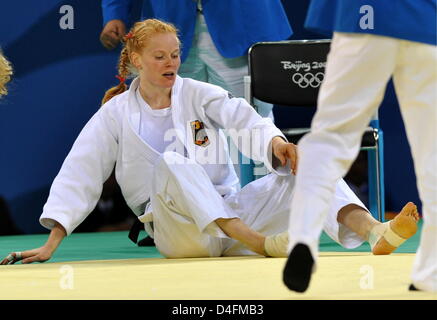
134, 41
5, 74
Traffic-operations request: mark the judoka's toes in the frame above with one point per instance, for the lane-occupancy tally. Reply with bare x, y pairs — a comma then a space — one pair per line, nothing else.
414, 213
404, 226
405, 223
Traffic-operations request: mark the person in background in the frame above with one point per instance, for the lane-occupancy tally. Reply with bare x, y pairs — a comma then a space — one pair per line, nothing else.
367, 50
215, 34
7, 226
5, 74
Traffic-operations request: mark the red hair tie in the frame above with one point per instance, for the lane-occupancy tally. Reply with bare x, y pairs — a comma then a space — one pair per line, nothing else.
120, 78
129, 35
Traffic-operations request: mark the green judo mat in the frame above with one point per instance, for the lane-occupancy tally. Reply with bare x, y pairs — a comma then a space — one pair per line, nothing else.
116, 245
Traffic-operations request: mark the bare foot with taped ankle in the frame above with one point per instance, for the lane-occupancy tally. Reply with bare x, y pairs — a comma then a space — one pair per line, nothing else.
386, 237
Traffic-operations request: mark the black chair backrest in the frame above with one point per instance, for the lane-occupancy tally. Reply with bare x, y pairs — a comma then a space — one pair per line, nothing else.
288, 72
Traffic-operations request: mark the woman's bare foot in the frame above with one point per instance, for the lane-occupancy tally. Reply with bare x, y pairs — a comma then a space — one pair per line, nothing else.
404, 225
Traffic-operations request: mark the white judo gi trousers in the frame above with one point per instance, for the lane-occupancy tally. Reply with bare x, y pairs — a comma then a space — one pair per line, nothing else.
185, 204
358, 69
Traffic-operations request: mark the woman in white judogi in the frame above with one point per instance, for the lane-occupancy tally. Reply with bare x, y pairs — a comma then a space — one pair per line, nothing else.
164, 137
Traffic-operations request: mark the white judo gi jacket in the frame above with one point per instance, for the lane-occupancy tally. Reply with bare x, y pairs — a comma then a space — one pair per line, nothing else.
111, 138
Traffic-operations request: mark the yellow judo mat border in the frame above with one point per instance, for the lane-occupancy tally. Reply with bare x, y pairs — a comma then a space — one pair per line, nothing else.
339, 276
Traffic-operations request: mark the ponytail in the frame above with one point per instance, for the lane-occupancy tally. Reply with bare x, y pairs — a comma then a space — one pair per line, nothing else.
123, 72
112, 92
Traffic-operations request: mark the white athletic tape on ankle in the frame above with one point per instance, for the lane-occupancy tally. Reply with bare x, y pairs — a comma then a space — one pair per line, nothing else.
276, 245
393, 238
384, 230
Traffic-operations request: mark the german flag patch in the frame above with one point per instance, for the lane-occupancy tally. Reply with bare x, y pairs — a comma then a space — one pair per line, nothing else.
199, 133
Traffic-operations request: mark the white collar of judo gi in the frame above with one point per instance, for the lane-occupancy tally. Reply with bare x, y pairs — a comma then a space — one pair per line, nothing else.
135, 107
175, 105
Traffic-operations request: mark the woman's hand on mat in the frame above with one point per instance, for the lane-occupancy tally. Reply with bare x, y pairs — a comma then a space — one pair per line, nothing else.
41, 254
285, 151
35, 255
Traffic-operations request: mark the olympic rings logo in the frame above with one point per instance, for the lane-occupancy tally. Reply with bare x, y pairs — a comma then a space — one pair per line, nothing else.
308, 79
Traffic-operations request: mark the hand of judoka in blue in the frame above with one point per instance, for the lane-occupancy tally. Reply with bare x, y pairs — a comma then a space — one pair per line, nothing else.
284, 151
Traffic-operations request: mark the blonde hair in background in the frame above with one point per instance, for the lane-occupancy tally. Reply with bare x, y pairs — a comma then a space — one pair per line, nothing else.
134, 41
5, 74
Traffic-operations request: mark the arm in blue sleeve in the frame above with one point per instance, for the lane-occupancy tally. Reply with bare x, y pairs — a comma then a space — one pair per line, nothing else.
116, 9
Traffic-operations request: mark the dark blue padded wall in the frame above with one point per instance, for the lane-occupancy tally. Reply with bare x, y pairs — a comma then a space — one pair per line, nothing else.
60, 78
